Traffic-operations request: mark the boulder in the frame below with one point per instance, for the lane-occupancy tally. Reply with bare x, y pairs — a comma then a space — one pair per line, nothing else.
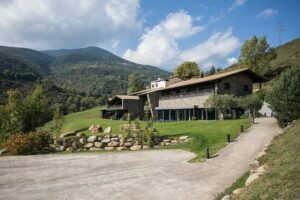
237, 191
70, 149
99, 144
94, 149
92, 138
61, 148
108, 130
82, 140
129, 140
88, 145
80, 134
251, 178
114, 135
226, 197
162, 144
167, 143
173, 142
105, 140
166, 140
121, 148
95, 128
107, 136
76, 145
128, 144
100, 138
68, 134
136, 147
115, 144
116, 139
184, 137
145, 147
2, 151
109, 148
156, 146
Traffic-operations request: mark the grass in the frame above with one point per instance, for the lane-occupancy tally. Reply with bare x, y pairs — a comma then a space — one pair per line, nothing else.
210, 134
282, 181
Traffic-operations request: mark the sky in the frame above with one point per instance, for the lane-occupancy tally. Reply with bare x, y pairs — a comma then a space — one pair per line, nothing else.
153, 32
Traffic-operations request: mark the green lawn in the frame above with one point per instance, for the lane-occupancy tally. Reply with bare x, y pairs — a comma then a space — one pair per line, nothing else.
210, 134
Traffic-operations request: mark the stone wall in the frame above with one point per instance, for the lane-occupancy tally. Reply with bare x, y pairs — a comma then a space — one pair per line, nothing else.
110, 142
237, 84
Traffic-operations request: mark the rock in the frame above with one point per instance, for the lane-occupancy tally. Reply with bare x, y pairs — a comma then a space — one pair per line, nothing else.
167, 144
136, 147
94, 149
88, 145
115, 144
70, 149
227, 197
129, 140
68, 134
61, 148
82, 140
99, 144
114, 135
173, 142
162, 144
76, 145
115, 139
80, 134
109, 148
128, 144
156, 146
251, 178
121, 148
2, 151
166, 140
105, 140
145, 147
184, 137
95, 128
108, 130
237, 191
92, 138
120, 136
254, 165
107, 136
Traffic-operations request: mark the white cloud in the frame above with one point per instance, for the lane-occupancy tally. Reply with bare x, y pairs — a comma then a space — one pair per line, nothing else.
232, 60
46, 24
158, 45
212, 51
236, 4
267, 13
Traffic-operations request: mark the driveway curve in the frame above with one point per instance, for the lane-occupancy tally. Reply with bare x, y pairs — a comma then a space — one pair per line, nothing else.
155, 174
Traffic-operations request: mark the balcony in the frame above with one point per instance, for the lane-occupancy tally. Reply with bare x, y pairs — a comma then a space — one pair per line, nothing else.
114, 107
188, 94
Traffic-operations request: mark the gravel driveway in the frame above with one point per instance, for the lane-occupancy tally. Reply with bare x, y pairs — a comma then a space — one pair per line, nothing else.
154, 174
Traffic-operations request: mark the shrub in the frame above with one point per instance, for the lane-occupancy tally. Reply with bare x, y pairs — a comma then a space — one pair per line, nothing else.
29, 143
285, 97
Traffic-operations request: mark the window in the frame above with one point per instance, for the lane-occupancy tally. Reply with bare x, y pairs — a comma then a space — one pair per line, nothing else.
156, 84
226, 86
246, 88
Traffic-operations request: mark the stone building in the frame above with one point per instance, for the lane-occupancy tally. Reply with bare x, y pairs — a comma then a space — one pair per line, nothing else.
175, 99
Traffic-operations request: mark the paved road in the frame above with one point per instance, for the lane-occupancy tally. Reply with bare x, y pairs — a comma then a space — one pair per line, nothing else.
157, 174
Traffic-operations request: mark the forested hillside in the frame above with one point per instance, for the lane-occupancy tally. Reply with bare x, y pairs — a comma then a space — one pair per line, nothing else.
96, 71
76, 79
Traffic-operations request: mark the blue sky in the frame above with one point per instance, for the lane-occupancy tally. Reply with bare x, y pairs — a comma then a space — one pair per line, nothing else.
161, 33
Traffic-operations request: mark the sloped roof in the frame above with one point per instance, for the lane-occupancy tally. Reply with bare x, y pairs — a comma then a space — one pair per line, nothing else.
127, 97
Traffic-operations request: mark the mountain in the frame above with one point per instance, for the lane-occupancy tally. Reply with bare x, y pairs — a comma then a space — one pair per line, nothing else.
83, 77
288, 55
96, 71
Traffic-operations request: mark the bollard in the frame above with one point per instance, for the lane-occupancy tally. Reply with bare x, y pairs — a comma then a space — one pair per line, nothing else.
242, 128
207, 152
228, 138
265, 114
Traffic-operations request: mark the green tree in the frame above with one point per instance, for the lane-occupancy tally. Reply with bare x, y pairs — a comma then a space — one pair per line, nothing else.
284, 98
252, 103
37, 111
187, 70
134, 83
211, 71
256, 54
222, 103
58, 119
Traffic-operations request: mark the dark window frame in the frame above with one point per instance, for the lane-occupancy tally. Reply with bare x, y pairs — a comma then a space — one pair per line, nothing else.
227, 86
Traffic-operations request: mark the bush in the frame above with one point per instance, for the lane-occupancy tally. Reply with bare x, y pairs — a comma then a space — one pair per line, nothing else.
285, 97
29, 143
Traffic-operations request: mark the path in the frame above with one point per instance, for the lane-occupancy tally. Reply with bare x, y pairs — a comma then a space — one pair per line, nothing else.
157, 174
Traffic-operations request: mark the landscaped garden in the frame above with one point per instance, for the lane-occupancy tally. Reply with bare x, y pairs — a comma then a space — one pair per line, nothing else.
204, 134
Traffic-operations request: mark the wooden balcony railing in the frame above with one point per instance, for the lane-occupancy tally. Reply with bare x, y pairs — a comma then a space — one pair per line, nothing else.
187, 94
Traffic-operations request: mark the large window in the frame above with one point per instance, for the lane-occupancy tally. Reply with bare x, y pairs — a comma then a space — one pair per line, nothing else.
226, 86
